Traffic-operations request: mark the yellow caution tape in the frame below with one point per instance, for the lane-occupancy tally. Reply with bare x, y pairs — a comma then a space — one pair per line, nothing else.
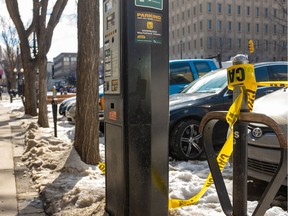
101, 166
243, 76
222, 159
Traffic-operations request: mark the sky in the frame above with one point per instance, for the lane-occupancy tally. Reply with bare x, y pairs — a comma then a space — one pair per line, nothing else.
65, 34
72, 187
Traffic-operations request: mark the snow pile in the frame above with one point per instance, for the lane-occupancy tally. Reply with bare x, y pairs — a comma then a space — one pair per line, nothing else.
63, 180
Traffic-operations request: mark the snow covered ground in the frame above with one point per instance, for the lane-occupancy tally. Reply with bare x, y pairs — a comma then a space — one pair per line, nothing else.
71, 187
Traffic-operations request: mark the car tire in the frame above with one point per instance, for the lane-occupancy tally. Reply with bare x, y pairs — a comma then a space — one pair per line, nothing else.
185, 140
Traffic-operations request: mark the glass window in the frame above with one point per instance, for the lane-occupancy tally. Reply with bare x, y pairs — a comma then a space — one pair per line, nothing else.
239, 10
202, 68
257, 28
229, 9
257, 11
248, 27
219, 7
180, 73
229, 26
239, 27
209, 43
278, 73
209, 7
209, 24
219, 25
261, 74
248, 11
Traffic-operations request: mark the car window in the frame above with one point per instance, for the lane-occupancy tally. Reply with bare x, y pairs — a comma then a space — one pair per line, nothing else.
202, 68
271, 73
212, 82
278, 73
261, 74
180, 73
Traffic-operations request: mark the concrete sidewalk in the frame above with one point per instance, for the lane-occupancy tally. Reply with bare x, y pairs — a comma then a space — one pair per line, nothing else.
8, 195
17, 196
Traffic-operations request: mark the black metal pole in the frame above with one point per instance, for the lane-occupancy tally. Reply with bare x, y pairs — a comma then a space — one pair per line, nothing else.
54, 111
240, 151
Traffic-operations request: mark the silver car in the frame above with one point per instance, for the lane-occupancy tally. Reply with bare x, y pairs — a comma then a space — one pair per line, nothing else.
263, 146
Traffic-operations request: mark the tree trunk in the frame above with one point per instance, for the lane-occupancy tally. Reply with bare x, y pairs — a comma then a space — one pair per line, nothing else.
43, 111
87, 121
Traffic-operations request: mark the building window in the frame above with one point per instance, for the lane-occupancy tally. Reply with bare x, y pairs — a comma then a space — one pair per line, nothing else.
239, 27
178, 34
257, 12
239, 10
266, 28
275, 29
201, 26
274, 12
248, 11
183, 31
209, 43
283, 30
239, 43
178, 18
189, 29
257, 44
173, 34
229, 9
229, 26
257, 28
209, 7
274, 45
229, 46
266, 44
200, 8
220, 45
195, 27
219, 25
183, 15
266, 12
189, 45
201, 42
248, 28
219, 7
209, 24
195, 44
188, 13
194, 11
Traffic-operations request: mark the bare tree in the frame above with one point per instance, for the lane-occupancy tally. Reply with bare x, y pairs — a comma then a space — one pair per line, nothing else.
10, 38
87, 122
43, 31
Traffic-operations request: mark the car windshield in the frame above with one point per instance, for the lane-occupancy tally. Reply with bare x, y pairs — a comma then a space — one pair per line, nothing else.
212, 82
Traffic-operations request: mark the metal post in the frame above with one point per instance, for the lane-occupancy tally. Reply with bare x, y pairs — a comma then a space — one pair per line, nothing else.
54, 110
240, 152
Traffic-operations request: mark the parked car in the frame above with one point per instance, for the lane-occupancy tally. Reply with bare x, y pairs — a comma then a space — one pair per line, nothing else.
71, 111
263, 145
209, 93
184, 71
63, 105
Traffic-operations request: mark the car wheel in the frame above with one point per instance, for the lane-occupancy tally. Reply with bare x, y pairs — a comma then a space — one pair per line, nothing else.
185, 140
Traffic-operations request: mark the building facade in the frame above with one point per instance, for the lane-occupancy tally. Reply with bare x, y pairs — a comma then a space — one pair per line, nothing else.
64, 69
204, 28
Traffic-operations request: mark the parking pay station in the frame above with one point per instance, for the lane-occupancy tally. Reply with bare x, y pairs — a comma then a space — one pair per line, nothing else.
136, 55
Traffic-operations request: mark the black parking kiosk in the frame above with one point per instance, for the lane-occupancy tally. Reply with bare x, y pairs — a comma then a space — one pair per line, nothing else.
136, 66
